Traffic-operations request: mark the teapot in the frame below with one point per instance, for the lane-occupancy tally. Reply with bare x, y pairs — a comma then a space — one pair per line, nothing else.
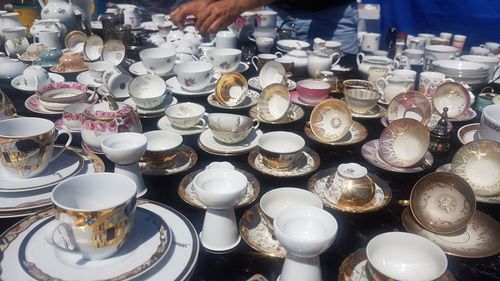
299, 58
366, 62
318, 61
107, 118
48, 25
61, 10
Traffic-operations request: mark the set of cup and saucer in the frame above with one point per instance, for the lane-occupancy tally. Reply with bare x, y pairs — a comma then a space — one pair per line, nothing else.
21, 197
161, 244
231, 92
457, 99
187, 193
185, 158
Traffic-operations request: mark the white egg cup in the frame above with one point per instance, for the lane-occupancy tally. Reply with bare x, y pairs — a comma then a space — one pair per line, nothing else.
220, 188
125, 150
305, 232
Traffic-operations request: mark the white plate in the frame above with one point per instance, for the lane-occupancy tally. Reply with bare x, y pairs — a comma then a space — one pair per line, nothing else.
18, 83
170, 100
174, 85
164, 124
67, 165
254, 83
178, 264
86, 79
250, 100
139, 69
209, 144
148, 242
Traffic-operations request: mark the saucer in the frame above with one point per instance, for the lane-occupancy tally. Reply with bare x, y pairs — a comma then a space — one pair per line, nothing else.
86, 79
432, 123
33, 104
60, 126
186, 158
164, 124
478, 240
317, 185
174, 85
177, 264
188, 195
149, 241
370, 153
294, 97
55, 69
255, 83
242, 67
18, 84
103, 91
138, 68
87, 148
468, 133
67, 165
257, 235
307, 163
357, 133
469, 115
250, 100
353, 268
152, 112
210, 145
376, 112
295, 113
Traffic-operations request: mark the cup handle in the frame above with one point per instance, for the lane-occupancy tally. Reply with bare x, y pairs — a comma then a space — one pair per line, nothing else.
54, 227
202, 125
381, 84
279, 54
256, 124
251, 37
68, 142
359, 58
395, 64
36, 39
255, 63
335, 58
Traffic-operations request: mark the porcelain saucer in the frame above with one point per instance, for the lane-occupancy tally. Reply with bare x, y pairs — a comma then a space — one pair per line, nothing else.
164, 124
317, 185
149, 241
250, 100
33, 104
295, 113
469, 115
55, 69
18, 84
103, 91
174, 85
60, 126
255, 83
357, 133
242, 67
376, 112
478, 240
177, 264
210, 145
186, 158
353, 268
25, 202
294, 97
138, 68
307, 163
257, 235
152, 112
88, 148
86, 79
432, 123
370, 153
188, 195
468, 133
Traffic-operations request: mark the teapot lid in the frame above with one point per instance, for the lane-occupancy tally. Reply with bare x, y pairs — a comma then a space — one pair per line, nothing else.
298, 53
109, 109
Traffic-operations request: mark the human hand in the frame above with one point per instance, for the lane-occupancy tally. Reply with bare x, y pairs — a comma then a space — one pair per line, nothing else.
217, 15
194, 7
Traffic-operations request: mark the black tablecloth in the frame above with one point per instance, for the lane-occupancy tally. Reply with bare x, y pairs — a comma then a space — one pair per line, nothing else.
355, 230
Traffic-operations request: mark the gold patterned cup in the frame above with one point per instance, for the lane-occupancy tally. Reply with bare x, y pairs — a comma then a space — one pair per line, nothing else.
280, 150
94, 214
163, 148
27, 145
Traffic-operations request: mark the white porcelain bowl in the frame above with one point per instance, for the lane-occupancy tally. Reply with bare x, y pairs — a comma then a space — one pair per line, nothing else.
220, 188
124, 148
147, 91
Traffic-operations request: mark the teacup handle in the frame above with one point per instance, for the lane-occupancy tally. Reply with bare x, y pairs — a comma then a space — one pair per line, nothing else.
254, 63
336, 58
202, 125
279, 54
256, 124
68, 142
359, 58
65, 243
381, 84
251, 37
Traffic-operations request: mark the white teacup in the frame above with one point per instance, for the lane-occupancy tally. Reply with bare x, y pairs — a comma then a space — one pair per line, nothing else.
429, 81
491, 45
415, 56
225, 39
35, 76
280, 149
260, 60
97, 69
224, 59
231, 128
194, 75
73, 115
405, 74
158, 18
147, 91
14, 32
94, 214
370, 42
490, 123
158, 60
117, 82
267, 31
264, 44
27, 145
186, 115
16, 46
480, 51
162, 148
266, 18
438, 52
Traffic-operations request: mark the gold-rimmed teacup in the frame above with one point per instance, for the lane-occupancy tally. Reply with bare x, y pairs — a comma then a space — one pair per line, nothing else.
231, 89
280, 150
231, 128
162, 148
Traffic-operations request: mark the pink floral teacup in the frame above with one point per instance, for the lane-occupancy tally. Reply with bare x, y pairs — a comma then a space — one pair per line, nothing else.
194, 75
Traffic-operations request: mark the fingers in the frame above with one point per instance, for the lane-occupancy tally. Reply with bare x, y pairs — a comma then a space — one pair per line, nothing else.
178, 16
206, 21
216, 25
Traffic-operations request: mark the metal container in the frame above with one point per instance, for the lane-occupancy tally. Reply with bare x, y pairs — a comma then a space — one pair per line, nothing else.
109, 21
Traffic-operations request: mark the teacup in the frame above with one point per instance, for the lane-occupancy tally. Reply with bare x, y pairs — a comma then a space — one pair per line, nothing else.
224, 59
356, 84
117, 81
10, 68
480, 51
158, 60
272, 73
411, 104
260, 60
350, 186
280, 150
225, 39
163, 148
375, 73
73, 115
147, 91
415, 56
35, 76
194, 75
429, 81
97, 69
14, 32
389, 257
158, 19
313, 91
71, 61
490, 123
370, 42
49, 38
362, 100
266, 18
186, 115
263, 31
274, 102
264, 44
405, 74
288, 64
16, 46
50, 56
438, 52
231, 128
94, 214
27, 145
231, 89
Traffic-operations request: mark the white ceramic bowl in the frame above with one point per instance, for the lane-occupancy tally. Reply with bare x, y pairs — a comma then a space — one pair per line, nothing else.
147, 91
124, 148
280, 149
11, 68
220, 188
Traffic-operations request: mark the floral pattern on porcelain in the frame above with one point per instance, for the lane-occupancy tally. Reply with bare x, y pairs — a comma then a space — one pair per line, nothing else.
61, 85
110, 115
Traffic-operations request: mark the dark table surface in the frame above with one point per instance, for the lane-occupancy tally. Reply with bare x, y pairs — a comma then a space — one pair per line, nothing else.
355, 230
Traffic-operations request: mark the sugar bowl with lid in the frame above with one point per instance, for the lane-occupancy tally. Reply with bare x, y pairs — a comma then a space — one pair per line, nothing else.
106, 118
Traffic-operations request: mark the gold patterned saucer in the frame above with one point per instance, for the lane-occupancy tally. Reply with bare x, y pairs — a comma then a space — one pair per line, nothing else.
376, 112
188, 195
357, 133
295, 113
317, 185
307, 163
353, 268
478, 240
256, 234
186, 158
